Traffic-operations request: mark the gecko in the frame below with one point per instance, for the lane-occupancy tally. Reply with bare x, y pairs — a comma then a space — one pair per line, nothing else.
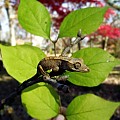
58, 65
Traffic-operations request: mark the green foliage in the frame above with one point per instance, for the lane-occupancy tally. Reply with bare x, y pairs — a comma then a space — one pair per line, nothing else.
34, 18
87, 19
90, 107
42, 102
100, 63
118, 61
21, 61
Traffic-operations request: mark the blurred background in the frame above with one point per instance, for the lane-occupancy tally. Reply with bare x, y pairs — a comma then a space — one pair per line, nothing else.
107, 37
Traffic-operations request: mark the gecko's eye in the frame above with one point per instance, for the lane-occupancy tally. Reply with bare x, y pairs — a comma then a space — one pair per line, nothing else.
77, 65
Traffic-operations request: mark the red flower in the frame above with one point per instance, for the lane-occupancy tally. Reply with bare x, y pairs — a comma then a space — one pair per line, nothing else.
109, 12
109, 31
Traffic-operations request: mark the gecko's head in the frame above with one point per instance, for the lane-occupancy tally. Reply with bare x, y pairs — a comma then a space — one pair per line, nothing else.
78, 65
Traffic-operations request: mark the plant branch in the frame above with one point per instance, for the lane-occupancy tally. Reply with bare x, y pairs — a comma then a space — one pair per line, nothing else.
19, 90
76, 41
113, 5
35, 79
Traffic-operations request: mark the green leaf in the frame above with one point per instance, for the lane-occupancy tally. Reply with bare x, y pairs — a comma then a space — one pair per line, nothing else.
90, 107
87, 19
34, 18
100, 63
41, 102
21, 61
118, 61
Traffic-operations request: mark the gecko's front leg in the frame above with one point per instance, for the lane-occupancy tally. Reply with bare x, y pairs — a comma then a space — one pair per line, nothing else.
46, 76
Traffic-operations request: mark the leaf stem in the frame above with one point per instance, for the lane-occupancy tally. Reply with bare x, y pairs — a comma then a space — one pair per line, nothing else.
54, 44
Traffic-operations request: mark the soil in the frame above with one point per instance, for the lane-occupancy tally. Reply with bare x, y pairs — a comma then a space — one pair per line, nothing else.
109, 90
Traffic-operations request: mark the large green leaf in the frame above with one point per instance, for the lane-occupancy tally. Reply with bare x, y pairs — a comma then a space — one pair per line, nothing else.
21, 61
87, 19
41, 102
34, 18
90, 107
100, 63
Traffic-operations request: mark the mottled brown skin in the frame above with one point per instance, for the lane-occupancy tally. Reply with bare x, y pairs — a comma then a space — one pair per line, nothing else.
60, 64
